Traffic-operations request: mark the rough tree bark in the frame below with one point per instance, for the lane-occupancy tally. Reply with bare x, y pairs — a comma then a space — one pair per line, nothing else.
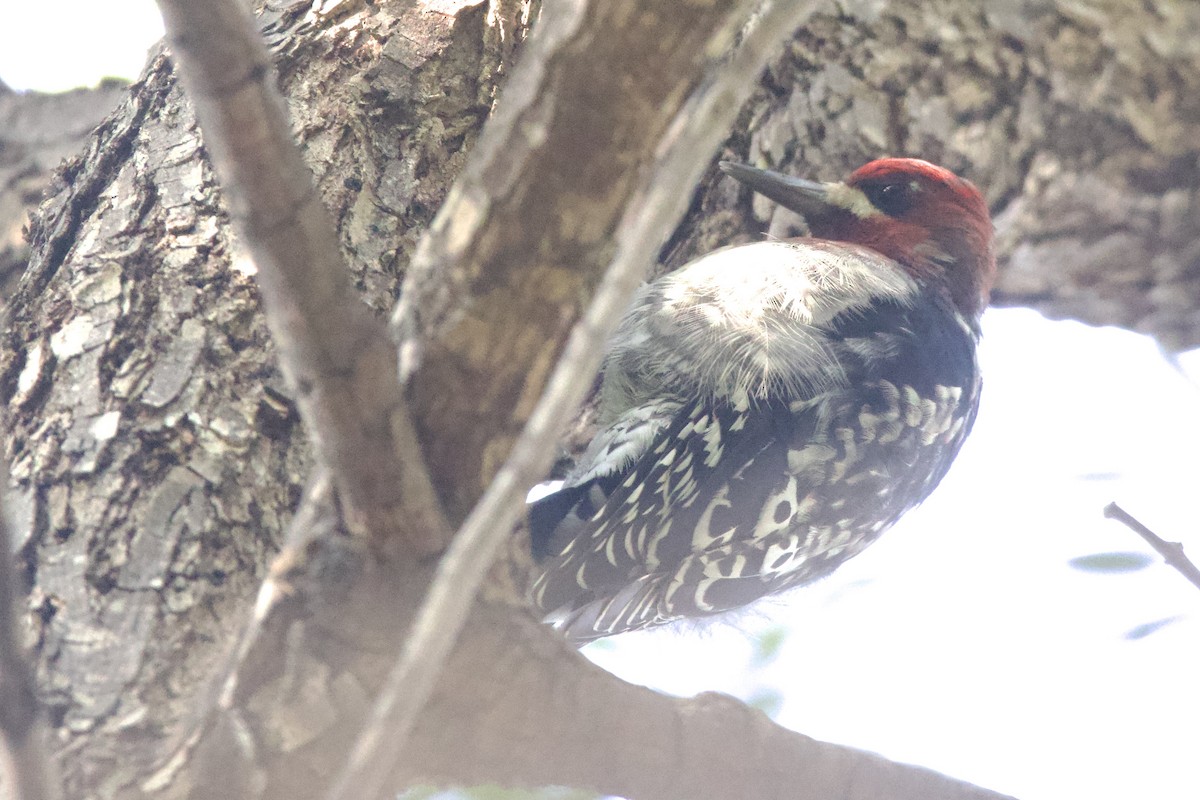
155, 450
37, 131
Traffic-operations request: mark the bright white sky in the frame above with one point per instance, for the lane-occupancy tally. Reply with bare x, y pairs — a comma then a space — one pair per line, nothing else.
963, 641
57, 46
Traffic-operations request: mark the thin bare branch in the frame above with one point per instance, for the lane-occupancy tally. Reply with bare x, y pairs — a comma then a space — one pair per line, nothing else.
22, 731
337, 356
1172, 552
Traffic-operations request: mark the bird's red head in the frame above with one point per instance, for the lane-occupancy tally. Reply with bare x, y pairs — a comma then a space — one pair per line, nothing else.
930, 221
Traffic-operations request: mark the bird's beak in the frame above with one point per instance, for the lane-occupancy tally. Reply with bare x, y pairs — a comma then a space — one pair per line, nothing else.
809, 198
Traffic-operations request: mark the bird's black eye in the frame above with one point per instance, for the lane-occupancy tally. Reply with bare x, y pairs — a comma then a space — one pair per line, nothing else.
893, 199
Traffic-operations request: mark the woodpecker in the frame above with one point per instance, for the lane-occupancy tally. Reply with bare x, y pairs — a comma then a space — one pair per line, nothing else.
768, 410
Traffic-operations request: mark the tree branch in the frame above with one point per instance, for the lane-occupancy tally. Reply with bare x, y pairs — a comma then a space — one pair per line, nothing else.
568, 722
1172, 552
335, 354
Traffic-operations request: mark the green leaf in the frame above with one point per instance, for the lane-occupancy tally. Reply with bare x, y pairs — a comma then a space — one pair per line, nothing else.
1099, 476
1112, 562
766, 649
602, 645
1147, 628
490, 792
768, 701
499, 793
419, 793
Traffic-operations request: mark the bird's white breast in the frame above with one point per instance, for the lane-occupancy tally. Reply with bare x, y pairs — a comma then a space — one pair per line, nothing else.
747, 321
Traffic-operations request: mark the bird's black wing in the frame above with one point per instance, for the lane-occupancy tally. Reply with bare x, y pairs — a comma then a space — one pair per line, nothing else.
735, 500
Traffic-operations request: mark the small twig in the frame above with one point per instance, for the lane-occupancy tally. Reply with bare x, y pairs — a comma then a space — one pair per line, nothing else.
684, 154
22, 733
1172, 552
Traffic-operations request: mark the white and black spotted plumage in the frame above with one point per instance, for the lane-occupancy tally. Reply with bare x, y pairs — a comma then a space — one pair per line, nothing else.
766, 412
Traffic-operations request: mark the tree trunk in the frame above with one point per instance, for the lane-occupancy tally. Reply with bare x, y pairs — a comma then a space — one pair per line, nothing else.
37, 131
155, 450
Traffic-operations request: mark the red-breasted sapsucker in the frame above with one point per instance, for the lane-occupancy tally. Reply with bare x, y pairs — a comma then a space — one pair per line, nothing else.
769, 409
